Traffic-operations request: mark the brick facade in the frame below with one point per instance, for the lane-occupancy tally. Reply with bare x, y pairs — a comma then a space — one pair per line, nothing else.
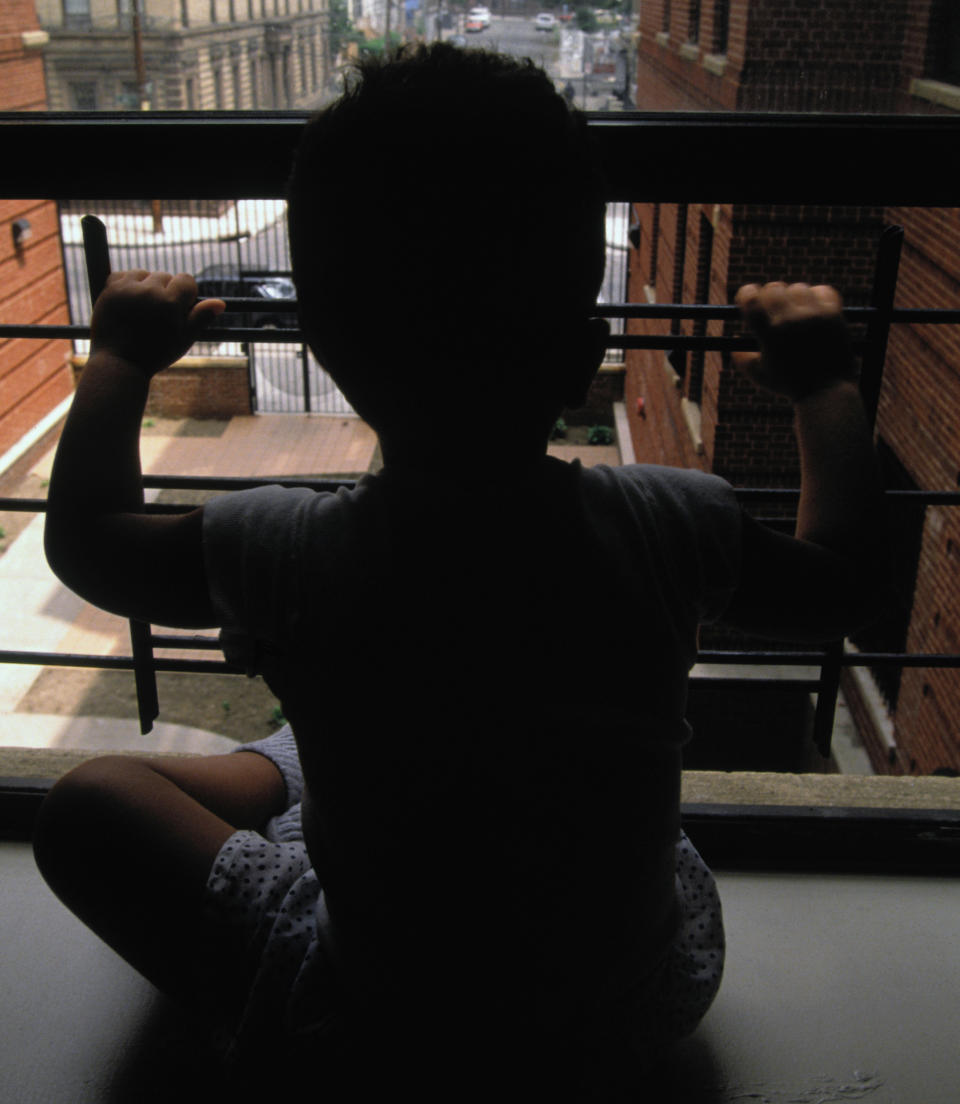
34, 376
809, 55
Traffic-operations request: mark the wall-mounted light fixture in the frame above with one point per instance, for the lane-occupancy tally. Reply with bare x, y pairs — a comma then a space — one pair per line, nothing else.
22, 232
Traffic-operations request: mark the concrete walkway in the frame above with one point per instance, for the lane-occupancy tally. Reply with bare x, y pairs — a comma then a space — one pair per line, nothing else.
40, 614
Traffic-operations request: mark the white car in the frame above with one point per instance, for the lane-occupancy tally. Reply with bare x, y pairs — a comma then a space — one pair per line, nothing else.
545, 21
479, 15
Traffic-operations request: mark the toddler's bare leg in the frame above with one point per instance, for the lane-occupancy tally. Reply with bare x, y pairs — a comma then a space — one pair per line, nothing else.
127, 844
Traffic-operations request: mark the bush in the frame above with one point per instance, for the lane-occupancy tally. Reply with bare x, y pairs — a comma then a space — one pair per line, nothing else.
600, 435
374, 46
586, 20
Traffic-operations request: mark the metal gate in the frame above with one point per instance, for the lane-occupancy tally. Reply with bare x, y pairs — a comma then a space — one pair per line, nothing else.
286, 379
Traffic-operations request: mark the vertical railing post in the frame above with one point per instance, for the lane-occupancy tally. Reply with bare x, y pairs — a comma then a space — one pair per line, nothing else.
871, 377
305, 364
96, 253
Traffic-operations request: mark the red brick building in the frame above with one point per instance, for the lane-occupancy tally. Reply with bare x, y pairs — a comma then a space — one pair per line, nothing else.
34, 376
824, 55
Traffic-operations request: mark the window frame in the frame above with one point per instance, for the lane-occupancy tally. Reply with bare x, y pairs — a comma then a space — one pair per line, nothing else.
686, 148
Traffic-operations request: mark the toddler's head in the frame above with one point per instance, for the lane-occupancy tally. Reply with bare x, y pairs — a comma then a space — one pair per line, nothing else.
446, 230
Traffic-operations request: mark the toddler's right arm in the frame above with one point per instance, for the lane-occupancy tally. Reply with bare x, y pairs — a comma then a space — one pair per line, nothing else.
826, 580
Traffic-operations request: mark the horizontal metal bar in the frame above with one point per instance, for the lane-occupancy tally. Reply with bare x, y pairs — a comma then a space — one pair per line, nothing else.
815, 659
240, 483
694, 311
173, 640
118, 663
731, 658
671, 157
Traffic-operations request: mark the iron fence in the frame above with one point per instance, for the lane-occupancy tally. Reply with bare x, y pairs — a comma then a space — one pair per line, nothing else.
860, 153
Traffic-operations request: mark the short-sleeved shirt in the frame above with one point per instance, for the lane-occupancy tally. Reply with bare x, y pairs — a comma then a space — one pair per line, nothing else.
487, 684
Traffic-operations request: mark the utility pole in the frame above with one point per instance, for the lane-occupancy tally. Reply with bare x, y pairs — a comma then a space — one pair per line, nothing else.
138, 61
141, 70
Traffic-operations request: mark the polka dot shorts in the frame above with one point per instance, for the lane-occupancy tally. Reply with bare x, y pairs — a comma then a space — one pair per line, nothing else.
695, 963
264, 896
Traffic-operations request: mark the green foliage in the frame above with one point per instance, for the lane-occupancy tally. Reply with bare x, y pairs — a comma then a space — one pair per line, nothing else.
559, 430
374, 46
600, 435
225, 706
586, 20
340, 29
276, 717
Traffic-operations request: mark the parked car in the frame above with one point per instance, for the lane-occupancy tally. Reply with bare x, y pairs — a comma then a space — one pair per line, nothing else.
545, 21
474, 25
229, 282
480, 13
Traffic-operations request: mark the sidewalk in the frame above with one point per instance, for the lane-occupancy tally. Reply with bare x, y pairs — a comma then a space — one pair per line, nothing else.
40, 614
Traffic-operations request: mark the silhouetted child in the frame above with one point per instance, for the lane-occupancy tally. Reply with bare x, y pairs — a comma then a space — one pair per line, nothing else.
460, 870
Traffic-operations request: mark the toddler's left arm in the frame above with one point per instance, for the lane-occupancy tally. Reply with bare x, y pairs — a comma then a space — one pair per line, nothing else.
98, 540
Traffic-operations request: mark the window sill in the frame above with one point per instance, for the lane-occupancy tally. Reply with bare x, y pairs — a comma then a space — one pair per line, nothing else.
690, 51
663, 38
691, 415
938, 92
715, 63
36, 769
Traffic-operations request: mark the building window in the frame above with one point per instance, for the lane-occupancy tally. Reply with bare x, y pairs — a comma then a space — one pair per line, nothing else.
83, 95
721, 25
665, 25
701, 295
693, 22
254, 84
218, 88
213, 11
190, 94
313, 62
184, 13
237, 93
233, 11
943, 42
76, 13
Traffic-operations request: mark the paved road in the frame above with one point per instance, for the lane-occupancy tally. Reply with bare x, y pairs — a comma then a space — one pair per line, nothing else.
517, 36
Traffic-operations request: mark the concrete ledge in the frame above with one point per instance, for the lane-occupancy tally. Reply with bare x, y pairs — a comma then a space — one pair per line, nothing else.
715, 63
690, 51
820, 790
854, 791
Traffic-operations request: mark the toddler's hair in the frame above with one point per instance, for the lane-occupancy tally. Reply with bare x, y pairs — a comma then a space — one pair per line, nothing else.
446, 223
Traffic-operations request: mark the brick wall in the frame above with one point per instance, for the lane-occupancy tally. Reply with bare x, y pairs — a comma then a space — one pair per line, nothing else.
918, 416
746, 434
823, 55
790, 55
34, 376
198, 387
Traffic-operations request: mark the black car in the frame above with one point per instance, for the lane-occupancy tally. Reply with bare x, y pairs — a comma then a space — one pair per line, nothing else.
226, 282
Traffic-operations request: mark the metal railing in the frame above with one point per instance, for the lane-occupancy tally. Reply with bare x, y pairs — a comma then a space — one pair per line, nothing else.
861, 147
